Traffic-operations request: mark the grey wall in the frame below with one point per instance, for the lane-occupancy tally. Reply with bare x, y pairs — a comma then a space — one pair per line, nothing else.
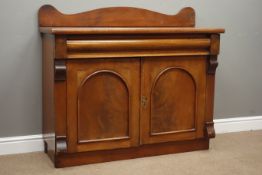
239, 77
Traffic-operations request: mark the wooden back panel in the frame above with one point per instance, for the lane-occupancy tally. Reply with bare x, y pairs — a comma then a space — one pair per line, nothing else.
115, 17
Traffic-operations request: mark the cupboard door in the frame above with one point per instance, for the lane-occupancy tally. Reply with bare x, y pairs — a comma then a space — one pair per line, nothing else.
103, 104
173, 99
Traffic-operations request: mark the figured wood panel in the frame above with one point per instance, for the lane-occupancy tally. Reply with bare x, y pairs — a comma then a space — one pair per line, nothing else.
103, 107
115, 17
102, 104
173, 91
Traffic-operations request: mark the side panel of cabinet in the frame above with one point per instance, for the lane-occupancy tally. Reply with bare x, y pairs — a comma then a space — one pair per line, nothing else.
173, 99
103, 108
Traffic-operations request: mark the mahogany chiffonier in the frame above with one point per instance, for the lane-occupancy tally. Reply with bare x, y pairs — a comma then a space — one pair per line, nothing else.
121, 83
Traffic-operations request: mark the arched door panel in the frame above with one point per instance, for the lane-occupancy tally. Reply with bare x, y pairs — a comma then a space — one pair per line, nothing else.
174, 89
103, 104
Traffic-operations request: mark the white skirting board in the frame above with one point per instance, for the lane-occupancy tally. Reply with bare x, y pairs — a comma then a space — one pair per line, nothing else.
21, 144
34, 143
238, 124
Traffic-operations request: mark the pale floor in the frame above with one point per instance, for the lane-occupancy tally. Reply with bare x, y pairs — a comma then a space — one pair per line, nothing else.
230, 154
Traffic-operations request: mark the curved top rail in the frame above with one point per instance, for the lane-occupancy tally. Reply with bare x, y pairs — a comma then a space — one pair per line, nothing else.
115, 17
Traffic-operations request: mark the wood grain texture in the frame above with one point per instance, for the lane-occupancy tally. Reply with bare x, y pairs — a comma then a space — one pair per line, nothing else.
60, 105
66, 160
141, 44
60, 46
106, 46
124, 82
214, 51
212, 64
134, 54
115, 16
128, 30
103, 107
210, 94
60, 116
103, 104
179, 99
135, 47
173, 89
215, 44
48, 95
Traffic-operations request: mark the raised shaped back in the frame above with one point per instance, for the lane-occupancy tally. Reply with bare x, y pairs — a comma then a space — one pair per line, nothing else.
115, 17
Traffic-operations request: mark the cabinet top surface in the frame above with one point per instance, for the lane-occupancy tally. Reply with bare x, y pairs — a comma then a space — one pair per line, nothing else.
129, 30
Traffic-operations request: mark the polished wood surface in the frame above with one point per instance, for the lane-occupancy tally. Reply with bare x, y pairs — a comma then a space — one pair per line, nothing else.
132, 54
142, 44
115, 17
73, 159
127, 85
48, 96
128, 30
102, 48
103, 103
60, 105
175, 91
107, 97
